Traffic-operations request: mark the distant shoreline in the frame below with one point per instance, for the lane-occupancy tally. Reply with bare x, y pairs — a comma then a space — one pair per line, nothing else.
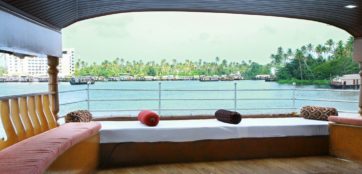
304, 82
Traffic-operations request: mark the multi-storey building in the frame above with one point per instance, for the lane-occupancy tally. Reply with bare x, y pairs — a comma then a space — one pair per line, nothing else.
66, 63
37, 66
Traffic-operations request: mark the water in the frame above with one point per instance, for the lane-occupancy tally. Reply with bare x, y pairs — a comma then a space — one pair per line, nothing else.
187, 107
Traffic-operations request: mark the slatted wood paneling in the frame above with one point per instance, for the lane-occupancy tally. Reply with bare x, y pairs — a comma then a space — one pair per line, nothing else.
25, 116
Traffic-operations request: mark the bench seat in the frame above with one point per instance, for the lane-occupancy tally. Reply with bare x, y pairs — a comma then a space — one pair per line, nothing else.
37, 153
210, 129
356, 121
127, 143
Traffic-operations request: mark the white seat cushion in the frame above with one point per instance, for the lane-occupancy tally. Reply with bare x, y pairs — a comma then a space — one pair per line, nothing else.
209, 129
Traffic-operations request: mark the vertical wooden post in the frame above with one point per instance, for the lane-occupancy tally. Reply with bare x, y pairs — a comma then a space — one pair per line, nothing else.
53, 62
360, 89
357, 56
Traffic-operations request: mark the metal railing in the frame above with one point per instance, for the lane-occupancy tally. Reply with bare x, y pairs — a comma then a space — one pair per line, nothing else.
160, 100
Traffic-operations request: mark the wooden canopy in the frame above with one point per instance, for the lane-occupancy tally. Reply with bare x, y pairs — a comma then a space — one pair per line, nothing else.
62, 13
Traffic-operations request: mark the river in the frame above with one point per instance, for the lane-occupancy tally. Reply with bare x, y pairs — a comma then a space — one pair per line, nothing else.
270, 100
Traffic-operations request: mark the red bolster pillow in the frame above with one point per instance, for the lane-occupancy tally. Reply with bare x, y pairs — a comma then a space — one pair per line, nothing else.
148, 118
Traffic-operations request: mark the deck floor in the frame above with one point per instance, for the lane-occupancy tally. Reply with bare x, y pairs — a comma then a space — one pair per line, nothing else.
315, 165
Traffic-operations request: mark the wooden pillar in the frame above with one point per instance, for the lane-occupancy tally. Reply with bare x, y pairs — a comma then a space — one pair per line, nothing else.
360, 89
357, 56
53, 62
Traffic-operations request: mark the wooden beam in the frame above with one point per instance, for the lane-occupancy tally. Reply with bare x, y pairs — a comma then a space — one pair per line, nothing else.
357, 56
360, 90
53, 62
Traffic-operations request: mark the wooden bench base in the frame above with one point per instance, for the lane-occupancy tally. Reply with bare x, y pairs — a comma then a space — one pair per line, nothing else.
346, 141
81, 158
130, 154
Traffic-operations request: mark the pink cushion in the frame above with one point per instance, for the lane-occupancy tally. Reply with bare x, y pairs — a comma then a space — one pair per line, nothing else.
346, 120
35, 154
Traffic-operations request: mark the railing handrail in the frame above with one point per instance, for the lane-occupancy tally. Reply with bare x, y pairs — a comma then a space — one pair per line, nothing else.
235, 98
330, 90
24, 95
73, 90
210, 90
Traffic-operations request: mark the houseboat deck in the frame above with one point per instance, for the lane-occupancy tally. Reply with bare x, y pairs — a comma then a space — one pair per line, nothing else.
302, 165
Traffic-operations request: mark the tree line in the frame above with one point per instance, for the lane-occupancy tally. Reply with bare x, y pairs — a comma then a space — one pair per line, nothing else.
315, 62
309, 62
181, 68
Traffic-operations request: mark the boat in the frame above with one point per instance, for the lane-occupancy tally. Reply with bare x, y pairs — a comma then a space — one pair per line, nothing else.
262, 77
271, 79
81, 81
348, 81
209, 78
226, 78
37, 142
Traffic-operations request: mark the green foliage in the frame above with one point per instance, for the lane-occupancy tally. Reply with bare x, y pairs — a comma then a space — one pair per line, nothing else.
304, 82
186, 68
2, 71
310, 64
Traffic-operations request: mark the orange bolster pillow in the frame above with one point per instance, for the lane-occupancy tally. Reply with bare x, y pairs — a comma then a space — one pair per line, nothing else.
148, 118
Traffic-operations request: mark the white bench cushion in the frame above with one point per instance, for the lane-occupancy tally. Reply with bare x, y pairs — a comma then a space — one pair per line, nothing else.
209, 129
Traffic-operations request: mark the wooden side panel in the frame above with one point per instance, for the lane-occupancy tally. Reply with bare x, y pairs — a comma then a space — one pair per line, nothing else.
41, 115
24, 116
82, 158
8, 126
48, 113
29, 130
33, 116
128, 154
346, 141
15, 117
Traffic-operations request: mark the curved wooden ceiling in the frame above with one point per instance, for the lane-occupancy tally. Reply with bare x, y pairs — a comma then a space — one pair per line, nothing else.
62, 13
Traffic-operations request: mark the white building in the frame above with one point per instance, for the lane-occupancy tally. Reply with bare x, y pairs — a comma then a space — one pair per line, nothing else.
26, 66
66, 63
38, 66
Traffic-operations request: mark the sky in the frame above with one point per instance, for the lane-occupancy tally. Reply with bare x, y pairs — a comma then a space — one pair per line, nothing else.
190, 35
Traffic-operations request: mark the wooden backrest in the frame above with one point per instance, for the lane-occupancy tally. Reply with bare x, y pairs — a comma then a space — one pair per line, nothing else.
24, 116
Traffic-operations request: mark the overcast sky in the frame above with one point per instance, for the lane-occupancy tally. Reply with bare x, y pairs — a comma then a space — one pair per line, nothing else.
186, 35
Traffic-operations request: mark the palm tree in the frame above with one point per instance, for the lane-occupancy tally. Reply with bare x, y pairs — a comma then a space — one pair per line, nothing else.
330, 44
83, 64
217, 59
289, 53
319, 50
349, 46
299, 57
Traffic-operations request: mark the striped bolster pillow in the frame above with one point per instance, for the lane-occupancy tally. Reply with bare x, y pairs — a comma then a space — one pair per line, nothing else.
228, 116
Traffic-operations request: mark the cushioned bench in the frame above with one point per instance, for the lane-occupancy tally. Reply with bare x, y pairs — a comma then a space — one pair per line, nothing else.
132, 143
37, 153
193, 130
356, 121
346, 137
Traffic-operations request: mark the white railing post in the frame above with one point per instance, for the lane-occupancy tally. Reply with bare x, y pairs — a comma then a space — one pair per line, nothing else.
88, 105
293, 98
235, 97
159, 98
